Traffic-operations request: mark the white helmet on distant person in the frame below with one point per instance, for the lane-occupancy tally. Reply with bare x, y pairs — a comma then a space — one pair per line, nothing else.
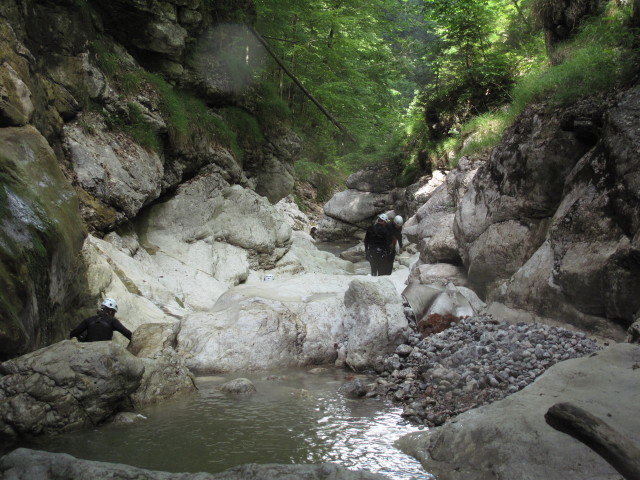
109, 303
398, 220
383, 217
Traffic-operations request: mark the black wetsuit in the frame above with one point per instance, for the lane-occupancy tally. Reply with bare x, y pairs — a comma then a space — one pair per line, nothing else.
395, 236
99, 328
376, 247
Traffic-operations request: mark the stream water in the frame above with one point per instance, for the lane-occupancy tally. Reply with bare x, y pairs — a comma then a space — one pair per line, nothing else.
295, 417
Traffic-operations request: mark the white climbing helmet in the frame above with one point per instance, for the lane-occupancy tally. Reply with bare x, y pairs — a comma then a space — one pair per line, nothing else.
109, 303
383, 217
398, 220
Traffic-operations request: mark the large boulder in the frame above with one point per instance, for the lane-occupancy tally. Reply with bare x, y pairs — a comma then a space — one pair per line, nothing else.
550, 223
299, 321
375, 323
111, 167
355, 207
437, 272
220, 229
305, 257
165, 374
431, 227
330, 229
510, 438
151, 339
294, 322
165, 377
25, 464
378, 179
66, 386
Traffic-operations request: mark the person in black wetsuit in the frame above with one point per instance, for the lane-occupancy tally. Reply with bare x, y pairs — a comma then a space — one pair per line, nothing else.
395, 234
101, 326
376, 245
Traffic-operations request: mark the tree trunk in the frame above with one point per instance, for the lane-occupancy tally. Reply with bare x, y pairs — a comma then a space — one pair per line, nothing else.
621, 454
635, 18
521, 14
299, 84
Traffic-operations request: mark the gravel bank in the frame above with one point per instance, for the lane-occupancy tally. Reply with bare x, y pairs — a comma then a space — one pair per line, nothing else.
476, 361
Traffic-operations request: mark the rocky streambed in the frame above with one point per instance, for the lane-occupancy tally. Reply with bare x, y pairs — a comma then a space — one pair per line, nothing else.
477, 361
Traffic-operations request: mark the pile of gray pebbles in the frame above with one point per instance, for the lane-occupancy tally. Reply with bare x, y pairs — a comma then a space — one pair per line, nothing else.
475, 362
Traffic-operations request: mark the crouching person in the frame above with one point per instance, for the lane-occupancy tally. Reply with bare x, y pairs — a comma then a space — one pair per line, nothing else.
101, 326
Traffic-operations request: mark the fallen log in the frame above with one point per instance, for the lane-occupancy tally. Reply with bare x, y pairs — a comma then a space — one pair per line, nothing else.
616, 449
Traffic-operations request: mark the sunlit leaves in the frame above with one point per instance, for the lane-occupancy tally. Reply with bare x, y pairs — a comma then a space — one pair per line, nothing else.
349, 55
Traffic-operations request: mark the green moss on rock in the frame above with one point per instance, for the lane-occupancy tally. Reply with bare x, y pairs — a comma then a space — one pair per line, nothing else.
41, 235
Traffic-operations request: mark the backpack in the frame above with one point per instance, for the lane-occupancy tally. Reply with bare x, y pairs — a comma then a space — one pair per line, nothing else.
378, 236
92, 321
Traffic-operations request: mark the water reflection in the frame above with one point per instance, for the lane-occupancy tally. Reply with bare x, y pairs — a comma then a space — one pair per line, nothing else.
294, 418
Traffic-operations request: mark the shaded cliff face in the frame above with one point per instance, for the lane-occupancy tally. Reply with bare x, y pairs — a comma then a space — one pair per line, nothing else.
550, 223
105, 107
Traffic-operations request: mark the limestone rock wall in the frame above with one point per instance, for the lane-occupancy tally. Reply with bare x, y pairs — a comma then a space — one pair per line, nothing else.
550, 222
40, 235
104, 113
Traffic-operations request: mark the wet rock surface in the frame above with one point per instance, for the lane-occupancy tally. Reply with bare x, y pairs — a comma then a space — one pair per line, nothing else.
475, 362
65, 387
510, 439
25, 464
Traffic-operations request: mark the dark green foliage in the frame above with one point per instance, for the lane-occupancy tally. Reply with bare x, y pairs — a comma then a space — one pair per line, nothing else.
472, 70
271, 108
189, 120
602, 56
301, 205
327, 179
410, 173
357, 59
470, 99
108, 61
246, 127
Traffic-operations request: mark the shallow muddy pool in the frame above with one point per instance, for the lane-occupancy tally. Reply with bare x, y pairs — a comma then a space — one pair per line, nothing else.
295, 417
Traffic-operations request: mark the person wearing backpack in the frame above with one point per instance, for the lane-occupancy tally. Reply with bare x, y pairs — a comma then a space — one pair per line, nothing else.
376, 245
101, 326
395, 235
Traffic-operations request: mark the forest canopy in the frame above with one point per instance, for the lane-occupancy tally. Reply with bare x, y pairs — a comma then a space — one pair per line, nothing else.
410, 79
